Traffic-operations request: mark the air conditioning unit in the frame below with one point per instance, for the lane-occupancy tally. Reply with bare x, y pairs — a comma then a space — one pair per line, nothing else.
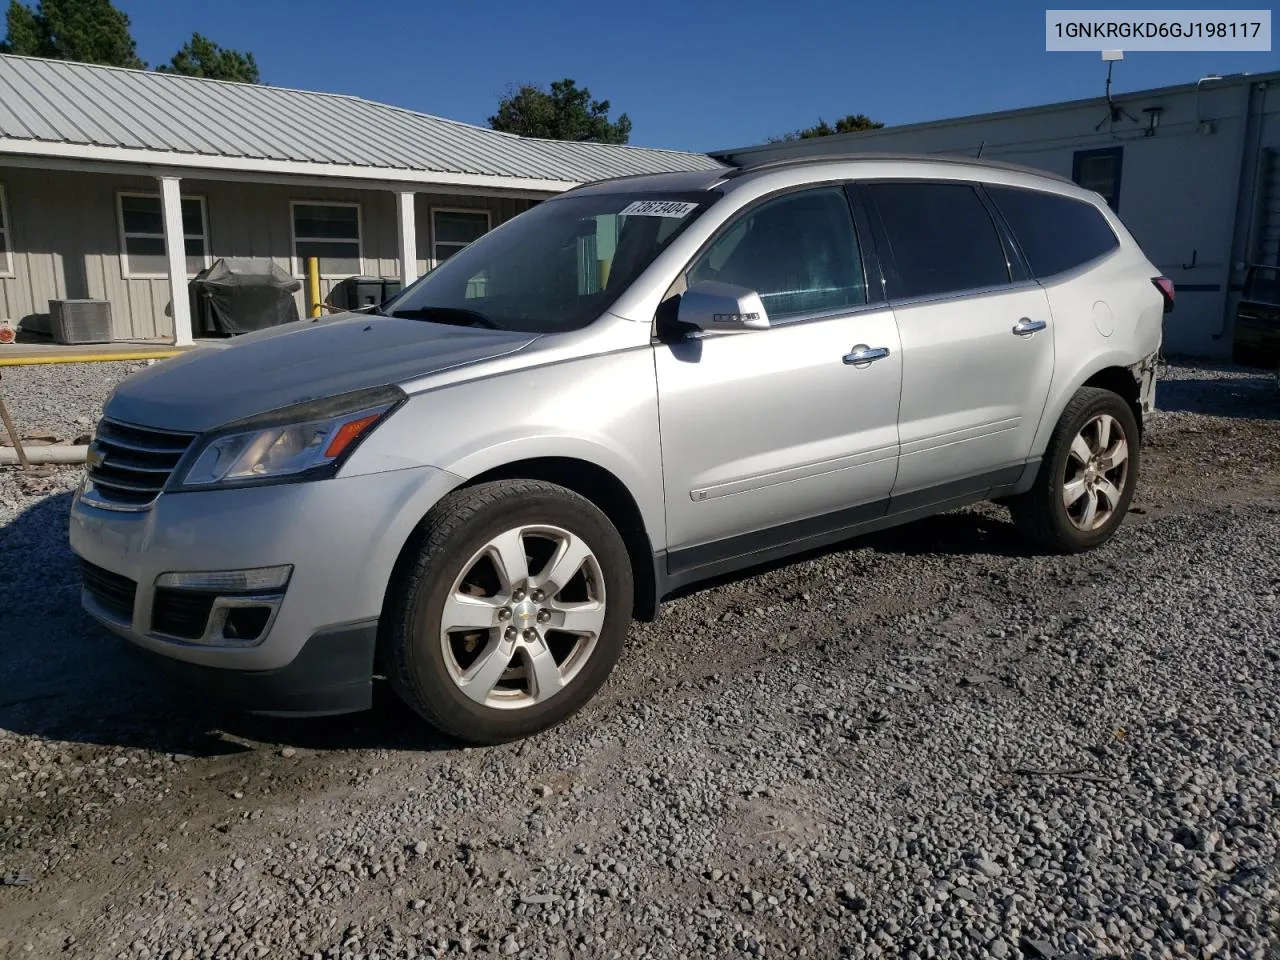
80, 321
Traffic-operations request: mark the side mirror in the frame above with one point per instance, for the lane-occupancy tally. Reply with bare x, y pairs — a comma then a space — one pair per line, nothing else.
716, 307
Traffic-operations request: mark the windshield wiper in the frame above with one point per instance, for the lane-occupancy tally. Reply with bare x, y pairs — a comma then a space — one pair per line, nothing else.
455, 316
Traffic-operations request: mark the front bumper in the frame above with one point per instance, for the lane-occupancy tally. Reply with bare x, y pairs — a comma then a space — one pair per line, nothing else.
332, 673
341, 537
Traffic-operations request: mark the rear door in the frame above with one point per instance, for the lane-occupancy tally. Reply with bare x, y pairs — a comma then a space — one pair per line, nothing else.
977, 348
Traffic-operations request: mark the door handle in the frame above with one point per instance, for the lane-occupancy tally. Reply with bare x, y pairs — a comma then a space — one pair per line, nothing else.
1025, 327
862, 355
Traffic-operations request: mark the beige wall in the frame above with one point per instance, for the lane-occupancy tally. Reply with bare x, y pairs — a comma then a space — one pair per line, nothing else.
65, 236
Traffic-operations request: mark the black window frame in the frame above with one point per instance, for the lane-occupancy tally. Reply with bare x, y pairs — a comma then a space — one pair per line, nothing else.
1077, 160
1017, 270
665, 326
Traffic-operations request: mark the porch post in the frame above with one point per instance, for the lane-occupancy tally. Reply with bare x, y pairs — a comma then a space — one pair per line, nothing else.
408, 238
176, 254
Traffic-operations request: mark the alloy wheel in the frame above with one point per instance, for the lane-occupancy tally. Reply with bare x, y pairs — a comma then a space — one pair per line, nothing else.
523, 616
1096, 472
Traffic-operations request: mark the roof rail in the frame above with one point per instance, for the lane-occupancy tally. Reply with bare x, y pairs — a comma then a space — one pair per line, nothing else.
625, 176
739, 170
713, 175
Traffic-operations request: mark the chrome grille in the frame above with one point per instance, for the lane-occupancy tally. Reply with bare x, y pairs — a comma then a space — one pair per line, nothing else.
129, 465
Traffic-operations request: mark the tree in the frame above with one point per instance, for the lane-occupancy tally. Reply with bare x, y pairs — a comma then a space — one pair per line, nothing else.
853, 123
94, 31
88, 31
562, 113
23, 31
201, 57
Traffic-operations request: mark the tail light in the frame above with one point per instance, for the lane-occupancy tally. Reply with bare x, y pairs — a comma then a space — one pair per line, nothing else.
1165, 286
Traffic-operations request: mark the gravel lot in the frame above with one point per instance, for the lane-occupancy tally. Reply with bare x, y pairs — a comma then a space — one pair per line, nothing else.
931, 742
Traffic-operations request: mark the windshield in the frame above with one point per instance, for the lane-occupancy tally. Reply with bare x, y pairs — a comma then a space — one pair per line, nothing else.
555, 267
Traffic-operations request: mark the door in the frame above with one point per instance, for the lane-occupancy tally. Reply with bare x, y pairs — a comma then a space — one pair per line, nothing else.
977, 340
773, 436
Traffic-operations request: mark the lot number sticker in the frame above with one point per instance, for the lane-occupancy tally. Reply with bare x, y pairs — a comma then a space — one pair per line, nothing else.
657, 208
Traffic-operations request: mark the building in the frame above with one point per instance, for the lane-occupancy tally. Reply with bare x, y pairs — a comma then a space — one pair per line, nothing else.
122, 184
1191, 170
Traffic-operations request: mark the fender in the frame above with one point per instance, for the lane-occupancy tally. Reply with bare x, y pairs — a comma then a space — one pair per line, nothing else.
1065, 385
601, 409
499, 451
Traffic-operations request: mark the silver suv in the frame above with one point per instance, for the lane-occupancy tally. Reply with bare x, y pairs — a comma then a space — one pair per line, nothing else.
633, 386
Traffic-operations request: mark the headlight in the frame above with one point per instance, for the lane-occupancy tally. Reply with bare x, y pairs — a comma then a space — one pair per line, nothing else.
305, 442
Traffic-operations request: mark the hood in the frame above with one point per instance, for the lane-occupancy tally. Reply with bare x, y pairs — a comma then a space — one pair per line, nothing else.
296, 362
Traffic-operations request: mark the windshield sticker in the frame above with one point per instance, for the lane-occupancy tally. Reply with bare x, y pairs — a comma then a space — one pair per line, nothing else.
657, 208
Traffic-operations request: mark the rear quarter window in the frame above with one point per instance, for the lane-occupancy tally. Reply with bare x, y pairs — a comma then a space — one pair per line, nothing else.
1055, 233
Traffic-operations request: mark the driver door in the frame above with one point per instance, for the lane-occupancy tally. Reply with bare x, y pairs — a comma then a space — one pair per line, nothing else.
775, 437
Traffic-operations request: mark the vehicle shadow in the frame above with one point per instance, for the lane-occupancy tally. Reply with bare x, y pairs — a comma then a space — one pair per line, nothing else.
970, 531
64, 677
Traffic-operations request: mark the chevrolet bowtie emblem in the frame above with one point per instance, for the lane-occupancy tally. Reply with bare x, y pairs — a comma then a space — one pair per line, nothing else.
94, 457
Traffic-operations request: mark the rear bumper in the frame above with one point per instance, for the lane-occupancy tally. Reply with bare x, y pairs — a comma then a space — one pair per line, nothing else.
332, 674
1144, 373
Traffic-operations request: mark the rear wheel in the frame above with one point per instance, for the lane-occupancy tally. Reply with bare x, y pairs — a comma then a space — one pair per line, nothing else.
512, 613
1087, 477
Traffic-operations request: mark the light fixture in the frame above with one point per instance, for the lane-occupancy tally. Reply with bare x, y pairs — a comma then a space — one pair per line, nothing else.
1153, 120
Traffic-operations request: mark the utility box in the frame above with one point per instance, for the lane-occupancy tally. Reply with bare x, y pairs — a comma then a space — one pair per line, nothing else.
80, 321
355, 292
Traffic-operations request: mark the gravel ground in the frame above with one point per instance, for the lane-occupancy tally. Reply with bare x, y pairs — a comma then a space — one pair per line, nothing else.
931, 742
61, 399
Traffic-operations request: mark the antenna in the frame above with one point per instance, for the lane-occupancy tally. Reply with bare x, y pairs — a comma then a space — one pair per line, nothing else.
980, 148
1114, 112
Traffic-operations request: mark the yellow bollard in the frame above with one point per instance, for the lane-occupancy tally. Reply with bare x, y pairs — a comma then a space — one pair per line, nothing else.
313, 279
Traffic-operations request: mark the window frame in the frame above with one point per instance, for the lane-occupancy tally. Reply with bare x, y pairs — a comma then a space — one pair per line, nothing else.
6, 230
431, 216
1079, 156
868, 255
1019, 272
128, 274
296, 264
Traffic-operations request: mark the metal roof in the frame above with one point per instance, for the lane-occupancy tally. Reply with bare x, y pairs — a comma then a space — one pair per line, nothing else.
59, 102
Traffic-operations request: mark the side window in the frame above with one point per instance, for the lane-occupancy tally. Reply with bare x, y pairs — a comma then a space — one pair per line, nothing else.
798, 251
940, 236
1055, 233
1099, 171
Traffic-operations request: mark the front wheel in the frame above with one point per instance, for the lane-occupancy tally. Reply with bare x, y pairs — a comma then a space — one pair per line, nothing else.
1087, 477
512, 610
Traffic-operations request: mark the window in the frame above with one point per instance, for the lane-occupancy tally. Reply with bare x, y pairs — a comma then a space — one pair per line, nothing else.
1099, 171
142, 235
1055, 233
799, 252
451, 230
6, 245
556, 267
331, 232
941, 238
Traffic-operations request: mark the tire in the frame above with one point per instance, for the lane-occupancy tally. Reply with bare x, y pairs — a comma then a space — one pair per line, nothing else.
1043, 515
456, 568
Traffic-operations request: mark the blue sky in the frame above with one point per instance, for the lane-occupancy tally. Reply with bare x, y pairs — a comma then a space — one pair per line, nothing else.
692, 74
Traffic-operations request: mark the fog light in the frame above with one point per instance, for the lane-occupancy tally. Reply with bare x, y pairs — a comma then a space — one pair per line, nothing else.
260, 580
